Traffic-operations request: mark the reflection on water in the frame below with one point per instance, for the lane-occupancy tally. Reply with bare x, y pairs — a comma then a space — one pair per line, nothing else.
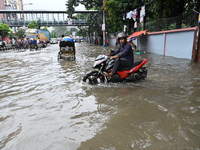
45, 105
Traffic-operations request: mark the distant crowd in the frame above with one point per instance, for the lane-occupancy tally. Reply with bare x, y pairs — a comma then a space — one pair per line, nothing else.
26, 43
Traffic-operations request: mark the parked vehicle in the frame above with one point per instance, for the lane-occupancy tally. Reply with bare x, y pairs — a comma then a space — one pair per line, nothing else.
43, 44
37, 33
103, 63
54, 41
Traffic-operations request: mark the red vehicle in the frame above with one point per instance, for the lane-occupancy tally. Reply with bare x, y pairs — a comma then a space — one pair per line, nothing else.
102, 63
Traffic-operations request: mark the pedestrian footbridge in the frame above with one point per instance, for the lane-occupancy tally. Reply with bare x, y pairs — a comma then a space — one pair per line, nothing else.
20, 18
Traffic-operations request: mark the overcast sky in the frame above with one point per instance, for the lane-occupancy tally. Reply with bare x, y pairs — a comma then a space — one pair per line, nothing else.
47, 5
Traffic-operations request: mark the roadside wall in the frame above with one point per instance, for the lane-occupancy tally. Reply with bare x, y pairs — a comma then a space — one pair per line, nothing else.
177, 43
112, 41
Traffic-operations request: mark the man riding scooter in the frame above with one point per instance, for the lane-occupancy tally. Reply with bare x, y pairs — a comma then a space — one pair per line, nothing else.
123, 56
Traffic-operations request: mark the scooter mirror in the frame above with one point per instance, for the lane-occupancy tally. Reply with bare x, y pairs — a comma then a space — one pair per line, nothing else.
112, 50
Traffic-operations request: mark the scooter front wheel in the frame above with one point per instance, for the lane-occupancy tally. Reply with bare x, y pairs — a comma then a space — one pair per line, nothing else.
94, 78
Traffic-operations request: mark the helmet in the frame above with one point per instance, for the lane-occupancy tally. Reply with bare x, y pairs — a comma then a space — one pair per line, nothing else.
121, 36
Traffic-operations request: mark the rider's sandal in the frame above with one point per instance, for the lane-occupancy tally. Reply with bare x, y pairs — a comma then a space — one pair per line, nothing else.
107, 74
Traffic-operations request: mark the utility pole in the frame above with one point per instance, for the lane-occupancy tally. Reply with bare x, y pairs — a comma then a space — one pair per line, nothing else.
104, 27
198, 41
197, 50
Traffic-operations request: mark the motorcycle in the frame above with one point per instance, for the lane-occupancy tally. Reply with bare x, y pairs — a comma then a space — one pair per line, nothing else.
43, 44
103, 63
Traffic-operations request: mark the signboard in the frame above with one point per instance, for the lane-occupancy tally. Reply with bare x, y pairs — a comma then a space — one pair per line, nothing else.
69, 22
103, 27
199, 19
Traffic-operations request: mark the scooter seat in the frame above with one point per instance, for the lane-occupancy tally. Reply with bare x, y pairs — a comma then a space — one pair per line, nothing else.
128, 68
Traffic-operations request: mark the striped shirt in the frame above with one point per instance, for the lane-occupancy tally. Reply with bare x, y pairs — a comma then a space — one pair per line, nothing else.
125, 52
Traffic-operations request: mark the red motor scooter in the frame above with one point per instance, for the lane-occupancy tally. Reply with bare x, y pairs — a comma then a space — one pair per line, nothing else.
102, 63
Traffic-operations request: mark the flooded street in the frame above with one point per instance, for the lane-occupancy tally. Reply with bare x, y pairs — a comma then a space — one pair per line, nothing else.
44, 105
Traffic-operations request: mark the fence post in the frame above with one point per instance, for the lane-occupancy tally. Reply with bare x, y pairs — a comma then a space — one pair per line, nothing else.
198, 44
197, 49
197, 55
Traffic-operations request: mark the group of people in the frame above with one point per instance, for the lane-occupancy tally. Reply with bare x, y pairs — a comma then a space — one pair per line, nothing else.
28, 43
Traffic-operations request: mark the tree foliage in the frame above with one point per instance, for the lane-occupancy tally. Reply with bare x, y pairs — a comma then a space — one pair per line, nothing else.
114, 9
59, 31
4, 30
45, 28
82, 31
33, 25
94, 19
89, 5
11, 35
20, 33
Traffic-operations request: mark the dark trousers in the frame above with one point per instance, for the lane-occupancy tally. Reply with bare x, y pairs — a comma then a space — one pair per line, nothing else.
121, 63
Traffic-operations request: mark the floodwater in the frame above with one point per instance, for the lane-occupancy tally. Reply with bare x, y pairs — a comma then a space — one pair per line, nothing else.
44, 105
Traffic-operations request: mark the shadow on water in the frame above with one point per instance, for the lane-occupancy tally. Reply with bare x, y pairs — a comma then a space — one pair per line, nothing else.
45, 105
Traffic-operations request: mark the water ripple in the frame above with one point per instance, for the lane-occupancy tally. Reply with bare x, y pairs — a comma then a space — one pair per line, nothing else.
45, 105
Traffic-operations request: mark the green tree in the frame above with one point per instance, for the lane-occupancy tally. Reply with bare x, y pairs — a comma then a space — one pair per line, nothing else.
73, 29
53, 34
95, 20
67, 33
33, 25
4, 30
89, 4
11, 35
172, 8
82, 31
45, 28
115, 9
59, 31
20, 33
155, 9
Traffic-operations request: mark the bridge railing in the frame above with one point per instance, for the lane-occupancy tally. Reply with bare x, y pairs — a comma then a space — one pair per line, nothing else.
45, 23
46, 18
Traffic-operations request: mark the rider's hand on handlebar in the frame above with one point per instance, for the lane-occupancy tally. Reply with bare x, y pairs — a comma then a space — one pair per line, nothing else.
114, 57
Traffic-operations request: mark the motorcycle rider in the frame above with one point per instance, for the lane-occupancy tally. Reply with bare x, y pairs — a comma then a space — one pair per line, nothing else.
123, 56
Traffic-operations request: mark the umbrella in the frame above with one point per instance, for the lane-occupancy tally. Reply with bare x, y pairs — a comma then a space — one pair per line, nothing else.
138, 33
67, 39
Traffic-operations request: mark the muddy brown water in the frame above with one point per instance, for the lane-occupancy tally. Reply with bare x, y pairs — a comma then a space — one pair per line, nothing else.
44, 105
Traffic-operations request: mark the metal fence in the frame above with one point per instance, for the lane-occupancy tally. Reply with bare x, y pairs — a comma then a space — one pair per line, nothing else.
178, 22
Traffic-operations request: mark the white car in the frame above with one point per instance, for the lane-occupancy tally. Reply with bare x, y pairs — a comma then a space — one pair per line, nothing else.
54, 41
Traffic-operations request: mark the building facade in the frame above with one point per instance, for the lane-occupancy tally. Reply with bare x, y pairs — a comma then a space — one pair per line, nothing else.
14, 4
11, 5
2, 7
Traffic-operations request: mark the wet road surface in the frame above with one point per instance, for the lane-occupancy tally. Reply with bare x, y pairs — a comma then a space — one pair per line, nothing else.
44, 105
